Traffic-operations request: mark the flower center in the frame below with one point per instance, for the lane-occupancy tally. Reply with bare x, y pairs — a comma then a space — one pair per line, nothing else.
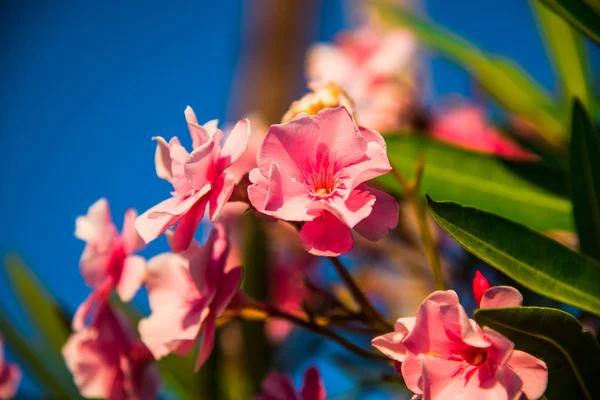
475, 356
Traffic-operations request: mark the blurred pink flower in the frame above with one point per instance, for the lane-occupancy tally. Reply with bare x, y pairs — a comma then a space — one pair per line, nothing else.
108, 361
312, 169
480, 285
108, 261
187, 293
446, 355
279, 387
199, 178
369, 64
466, 127
10, 376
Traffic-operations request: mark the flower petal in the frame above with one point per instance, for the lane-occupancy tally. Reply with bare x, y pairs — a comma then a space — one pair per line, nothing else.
132, 277
532, 371
199, 167
312, 388
351, 211
220, 193
228, 286
198, 133
179, 156
326, 235
236, 142
286, 198
207, 342
96, 225
162, 159
187, 225
501, 296
383, 217
131, 239
341, 137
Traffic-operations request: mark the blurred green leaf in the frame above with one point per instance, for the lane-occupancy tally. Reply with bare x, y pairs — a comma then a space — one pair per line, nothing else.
585, 180
578, 14
571, 354
567, 53
30, 358
512, 87
525, 192
535, 261
46, 319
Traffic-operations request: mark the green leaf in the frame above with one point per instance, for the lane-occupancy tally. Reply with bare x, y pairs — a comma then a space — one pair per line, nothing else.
46, 318
512, 87
29, 357
525, 192
571, 354
585, 180
567, 50
579, 14
535, 261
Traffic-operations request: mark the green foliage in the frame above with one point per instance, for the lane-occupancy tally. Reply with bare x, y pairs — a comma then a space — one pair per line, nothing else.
571, 354
579, 14
585, 180
529, 193
535, 261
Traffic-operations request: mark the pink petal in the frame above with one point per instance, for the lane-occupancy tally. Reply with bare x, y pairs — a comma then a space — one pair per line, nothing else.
390, 344
373, 136
199, 167
286, 198
350, 212
179, 156
162, 159
132, 277
383, 217
326, 236
131, 239
10, 378
220, 193
500, 351
199, 134
277, 387
236, 142
442, 380
207, 342
395, 50
327, 63
211, 127
374, 164
186, 228
313, 388
461, 330
290, 145
340, 135
501, 296
228, 287
412, 372
532, 371
97, 224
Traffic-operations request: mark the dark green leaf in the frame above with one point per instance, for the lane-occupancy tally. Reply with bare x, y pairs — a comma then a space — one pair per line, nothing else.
525, 192
29, 357
571, 354
514, 89
46, 319
585, 180
535, 261
578, 14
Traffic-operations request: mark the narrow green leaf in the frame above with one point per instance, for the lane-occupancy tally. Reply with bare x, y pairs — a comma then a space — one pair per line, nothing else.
579, 14
514, 89
45, 317
29, 357
524, 192
535, 261
567, 53
571, 354
585, 180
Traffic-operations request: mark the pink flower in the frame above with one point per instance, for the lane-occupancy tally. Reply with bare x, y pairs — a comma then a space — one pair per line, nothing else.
312, 170
187, 293
466, 127
446, 355
107, 360
280, 387
10, 376
108, 261
480, 285
199, 179
370, 65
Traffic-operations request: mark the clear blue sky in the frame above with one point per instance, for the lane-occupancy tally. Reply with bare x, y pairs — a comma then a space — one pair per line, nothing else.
84, 87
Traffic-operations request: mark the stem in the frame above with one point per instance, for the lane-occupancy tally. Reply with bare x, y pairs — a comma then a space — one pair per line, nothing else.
318, 327
367, 308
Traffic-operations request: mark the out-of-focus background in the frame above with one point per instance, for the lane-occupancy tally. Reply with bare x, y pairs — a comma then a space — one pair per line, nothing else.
85, 85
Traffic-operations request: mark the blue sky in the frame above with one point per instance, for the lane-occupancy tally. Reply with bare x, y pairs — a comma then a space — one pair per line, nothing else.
84, 87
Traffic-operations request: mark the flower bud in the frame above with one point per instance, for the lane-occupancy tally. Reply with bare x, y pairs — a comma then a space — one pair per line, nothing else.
480, 285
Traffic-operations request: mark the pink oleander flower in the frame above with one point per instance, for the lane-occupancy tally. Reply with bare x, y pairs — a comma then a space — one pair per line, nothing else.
466, 127
10, 376
187, 293
108, 361
370, 65
279, 387
480, 286
312, 170
445, 355
199, 179
108, 262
